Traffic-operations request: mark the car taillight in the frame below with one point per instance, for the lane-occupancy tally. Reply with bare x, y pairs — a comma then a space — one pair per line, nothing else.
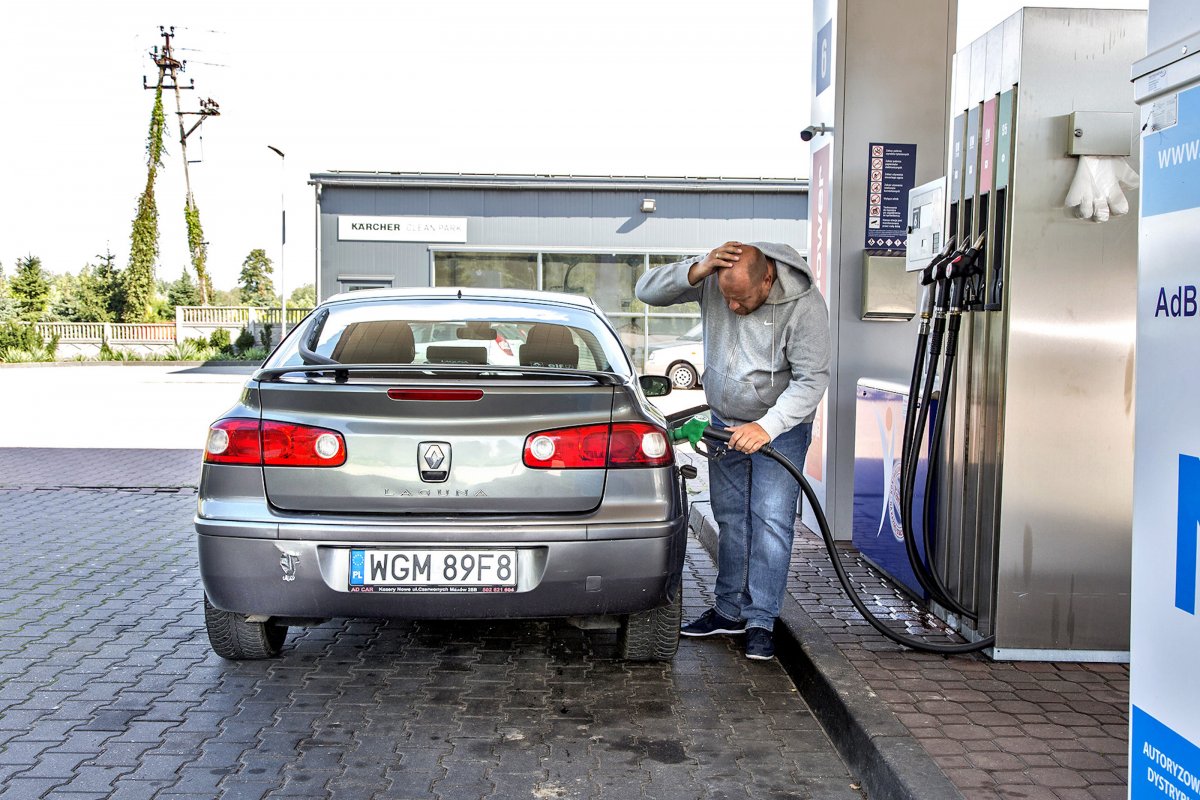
273, 444
233, 441
502, 343
637, 444
624, 444
288, 445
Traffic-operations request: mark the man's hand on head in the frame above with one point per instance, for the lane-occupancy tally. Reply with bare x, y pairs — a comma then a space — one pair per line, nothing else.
721, 257
748, 438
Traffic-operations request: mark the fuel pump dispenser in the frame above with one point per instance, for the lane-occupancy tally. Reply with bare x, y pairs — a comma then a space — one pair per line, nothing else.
1013, 500
1019, 402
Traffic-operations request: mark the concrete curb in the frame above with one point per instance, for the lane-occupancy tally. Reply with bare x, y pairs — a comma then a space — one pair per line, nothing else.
875, 745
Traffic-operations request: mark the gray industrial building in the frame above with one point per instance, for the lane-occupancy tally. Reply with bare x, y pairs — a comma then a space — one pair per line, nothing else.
582, 235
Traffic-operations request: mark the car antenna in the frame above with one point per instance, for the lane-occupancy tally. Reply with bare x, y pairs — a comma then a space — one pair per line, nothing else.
460, 294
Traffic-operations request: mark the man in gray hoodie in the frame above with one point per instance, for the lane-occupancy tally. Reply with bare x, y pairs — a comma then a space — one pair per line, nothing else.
766, 366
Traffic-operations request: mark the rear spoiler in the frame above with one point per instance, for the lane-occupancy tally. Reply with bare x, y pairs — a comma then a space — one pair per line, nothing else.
341, 372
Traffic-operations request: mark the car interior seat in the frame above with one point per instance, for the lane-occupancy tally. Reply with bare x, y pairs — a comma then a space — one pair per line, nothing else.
376, 342
549, 346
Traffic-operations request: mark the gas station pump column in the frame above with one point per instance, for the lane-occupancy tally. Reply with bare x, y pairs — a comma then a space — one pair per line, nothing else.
881, 72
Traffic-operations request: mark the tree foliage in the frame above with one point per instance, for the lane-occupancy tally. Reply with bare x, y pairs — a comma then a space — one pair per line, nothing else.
303, 296
199, 250
255, 279
97, 292
138, 283
184, 291
8, 308
30, 289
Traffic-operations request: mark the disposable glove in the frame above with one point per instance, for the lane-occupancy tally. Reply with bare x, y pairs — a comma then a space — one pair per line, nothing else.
1095, 193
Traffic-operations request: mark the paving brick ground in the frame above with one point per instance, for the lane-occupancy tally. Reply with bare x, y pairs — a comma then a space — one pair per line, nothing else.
53, 467
1035, 730
108, 688
1050, 730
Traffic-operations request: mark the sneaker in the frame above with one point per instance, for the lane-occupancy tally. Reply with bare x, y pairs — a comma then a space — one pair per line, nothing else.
710, 623
760, 644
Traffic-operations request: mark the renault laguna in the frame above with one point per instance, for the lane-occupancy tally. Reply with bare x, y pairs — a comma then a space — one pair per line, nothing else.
443, 454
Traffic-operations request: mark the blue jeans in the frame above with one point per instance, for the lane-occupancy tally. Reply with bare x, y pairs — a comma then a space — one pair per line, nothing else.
754, 502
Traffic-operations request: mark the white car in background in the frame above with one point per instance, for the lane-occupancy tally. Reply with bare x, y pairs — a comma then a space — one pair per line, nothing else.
464, 343
680, 359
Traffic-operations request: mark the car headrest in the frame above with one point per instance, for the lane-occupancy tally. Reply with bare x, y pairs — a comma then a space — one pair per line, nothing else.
453, 354
377, 342
549, 346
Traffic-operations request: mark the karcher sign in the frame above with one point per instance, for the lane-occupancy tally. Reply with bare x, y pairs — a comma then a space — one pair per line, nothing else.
402, 229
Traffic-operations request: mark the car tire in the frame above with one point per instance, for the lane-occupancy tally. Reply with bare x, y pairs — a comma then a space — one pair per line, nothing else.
683, 375
235, 639
652, 635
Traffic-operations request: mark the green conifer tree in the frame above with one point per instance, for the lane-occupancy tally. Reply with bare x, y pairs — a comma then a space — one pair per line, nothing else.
30, 289
138, 283
255, 280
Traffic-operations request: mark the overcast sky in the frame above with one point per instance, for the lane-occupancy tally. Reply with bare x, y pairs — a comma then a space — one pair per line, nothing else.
592, 87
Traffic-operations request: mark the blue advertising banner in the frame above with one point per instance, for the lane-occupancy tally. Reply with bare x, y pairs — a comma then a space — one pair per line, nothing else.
890, 174
1162, 763
1171, 162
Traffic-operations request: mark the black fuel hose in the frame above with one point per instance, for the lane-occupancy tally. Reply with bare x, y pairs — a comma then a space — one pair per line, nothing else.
721, 435
930, 581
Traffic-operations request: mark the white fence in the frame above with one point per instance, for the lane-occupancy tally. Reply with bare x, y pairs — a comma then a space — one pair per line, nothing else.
191, 322
199, 322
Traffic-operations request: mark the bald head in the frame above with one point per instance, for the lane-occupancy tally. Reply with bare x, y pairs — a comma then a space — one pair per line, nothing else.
747, 283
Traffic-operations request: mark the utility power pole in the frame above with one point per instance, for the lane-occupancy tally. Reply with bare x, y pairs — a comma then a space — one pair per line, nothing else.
166, 62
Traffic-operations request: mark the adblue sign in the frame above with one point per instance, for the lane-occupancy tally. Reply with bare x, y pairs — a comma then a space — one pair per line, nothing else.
1181, 302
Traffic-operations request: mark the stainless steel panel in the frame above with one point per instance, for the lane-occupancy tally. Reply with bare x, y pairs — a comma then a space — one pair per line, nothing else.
994, 64
1065, 511
889, 291
1034, 525
978, 71
1168, 20
962, 81
1010, 70
1099, 133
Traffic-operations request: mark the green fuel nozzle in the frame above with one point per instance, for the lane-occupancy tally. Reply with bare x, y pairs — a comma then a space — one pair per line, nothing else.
692, 430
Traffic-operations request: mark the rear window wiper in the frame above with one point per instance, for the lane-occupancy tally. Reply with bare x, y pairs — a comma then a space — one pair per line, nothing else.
308, 342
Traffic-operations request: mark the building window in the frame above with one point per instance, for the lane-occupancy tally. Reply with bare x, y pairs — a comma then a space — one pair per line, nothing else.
348, 284
485, 270
608, 279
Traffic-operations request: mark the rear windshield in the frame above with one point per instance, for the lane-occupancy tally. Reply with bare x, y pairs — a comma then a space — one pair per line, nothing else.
451, 331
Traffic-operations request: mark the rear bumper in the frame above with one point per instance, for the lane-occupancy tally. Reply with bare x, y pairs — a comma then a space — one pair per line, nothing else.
253, 574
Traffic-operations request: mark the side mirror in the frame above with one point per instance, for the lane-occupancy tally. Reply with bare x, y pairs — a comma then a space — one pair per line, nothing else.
655, 385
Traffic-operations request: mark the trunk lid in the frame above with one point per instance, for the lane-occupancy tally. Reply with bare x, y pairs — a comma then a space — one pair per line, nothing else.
439, 456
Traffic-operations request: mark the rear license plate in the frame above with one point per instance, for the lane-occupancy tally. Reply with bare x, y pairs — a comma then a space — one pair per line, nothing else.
410, 570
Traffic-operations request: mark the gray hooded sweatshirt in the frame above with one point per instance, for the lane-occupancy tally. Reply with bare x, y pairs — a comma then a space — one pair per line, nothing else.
770, 366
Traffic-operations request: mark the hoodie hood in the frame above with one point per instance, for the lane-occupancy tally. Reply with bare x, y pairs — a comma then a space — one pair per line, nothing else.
793, 278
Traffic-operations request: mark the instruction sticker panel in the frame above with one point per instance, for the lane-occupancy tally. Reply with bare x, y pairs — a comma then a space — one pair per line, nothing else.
891, 169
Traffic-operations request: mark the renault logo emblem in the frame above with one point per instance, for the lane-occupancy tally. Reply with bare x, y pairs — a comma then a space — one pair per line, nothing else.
434, 461
434, 456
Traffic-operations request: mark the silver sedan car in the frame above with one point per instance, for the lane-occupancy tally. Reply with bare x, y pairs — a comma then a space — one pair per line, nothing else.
355, 478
